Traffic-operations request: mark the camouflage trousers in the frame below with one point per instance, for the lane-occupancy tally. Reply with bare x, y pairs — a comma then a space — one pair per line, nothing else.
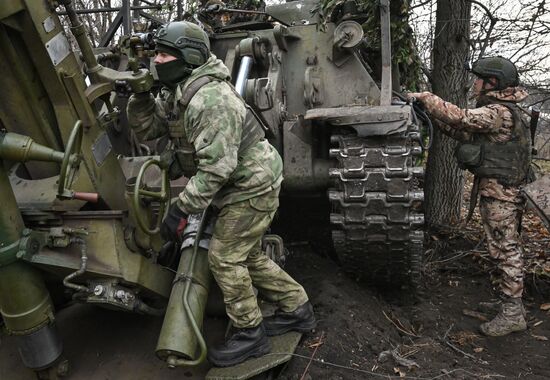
501, 221
238, 263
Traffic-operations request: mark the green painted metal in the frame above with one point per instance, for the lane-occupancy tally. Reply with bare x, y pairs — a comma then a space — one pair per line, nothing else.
48, 95
70, 162
162, 196
136, 239
282, 347
180, 342
11, 223
108, 256
25, 303
16, 147
140, 80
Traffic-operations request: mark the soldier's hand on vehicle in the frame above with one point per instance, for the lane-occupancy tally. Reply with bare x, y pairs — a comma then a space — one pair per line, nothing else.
174, 223
123, 88
140, 85
420, 96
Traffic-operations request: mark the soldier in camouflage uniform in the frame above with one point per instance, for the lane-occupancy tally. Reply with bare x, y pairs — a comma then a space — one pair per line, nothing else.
495, 146
237, 171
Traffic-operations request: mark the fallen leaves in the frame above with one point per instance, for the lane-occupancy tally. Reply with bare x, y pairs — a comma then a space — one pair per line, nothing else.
463, 338
545, 306
398, 371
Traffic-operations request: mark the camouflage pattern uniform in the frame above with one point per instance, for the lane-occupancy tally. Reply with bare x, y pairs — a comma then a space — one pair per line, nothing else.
244, 188
501, 206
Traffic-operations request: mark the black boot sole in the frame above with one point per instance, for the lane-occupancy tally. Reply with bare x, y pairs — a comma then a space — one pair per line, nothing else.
303, 327
255, 353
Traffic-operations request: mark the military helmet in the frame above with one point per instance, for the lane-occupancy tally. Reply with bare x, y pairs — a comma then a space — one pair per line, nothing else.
183, 39
500, 68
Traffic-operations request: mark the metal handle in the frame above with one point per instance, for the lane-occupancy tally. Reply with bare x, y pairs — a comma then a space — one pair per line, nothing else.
162, 196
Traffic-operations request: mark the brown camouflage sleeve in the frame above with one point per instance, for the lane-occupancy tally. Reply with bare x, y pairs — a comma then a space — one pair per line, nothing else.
486, 119
453, 132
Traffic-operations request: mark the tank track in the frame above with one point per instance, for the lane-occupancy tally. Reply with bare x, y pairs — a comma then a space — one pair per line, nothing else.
376, 207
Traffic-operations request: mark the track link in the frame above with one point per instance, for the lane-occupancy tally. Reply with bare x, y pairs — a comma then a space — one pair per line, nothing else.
376, 207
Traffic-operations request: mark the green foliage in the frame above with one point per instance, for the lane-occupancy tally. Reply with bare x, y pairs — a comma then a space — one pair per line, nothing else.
404, 52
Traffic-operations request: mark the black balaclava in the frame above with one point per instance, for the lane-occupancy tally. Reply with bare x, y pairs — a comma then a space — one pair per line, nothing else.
174, 72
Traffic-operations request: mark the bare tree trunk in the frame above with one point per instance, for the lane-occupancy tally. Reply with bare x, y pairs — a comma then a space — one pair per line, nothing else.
444, 179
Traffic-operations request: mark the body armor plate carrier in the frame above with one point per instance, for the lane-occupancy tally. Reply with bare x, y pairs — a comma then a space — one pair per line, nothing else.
181, 158
507, 162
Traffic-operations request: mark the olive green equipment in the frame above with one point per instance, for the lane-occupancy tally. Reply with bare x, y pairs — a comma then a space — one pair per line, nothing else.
25, 304
186, 346
68, 183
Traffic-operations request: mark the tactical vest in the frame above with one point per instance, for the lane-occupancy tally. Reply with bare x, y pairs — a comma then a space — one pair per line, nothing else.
184, 152
507, 162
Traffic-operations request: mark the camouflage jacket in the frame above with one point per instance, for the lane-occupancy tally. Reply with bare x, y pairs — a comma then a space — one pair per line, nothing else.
495, 120
212, 125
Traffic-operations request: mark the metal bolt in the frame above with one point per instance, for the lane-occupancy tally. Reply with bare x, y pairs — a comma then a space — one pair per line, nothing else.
120, 294
98, 290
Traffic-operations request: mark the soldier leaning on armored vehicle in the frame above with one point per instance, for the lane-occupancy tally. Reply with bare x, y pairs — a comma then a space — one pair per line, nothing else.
237, 171
495, 146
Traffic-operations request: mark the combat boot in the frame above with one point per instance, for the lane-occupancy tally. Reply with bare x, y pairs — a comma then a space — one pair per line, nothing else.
490, 307
302, 320
511, 318
243, 344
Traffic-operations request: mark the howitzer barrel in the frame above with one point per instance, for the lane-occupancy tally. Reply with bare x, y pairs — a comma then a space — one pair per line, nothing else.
16, 147
180, 334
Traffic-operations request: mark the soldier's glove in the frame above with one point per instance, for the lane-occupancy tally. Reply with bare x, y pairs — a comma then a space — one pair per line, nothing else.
169, 161
123, 88
141, 86
173, 225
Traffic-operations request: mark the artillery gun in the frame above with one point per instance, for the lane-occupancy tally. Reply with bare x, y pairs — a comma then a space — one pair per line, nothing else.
81, 206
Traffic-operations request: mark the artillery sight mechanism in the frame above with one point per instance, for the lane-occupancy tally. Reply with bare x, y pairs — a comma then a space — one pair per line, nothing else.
83, 199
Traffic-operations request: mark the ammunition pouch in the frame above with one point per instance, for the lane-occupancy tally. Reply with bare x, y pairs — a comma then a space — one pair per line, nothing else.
178, 162
469, 156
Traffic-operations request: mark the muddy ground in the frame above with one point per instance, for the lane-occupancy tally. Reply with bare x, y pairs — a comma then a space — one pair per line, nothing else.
360, 326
